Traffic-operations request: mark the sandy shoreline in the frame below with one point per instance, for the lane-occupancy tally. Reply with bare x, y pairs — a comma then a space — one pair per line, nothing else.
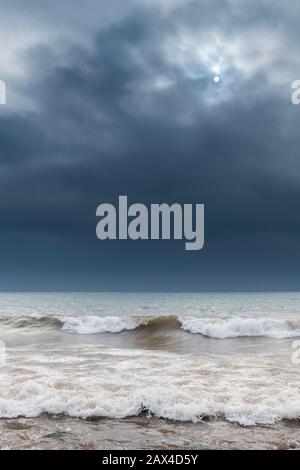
63, 432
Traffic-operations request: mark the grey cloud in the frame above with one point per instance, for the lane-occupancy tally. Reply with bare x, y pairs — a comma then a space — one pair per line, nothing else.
103, 126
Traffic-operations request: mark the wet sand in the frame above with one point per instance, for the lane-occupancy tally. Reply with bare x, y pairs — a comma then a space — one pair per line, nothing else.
65, 433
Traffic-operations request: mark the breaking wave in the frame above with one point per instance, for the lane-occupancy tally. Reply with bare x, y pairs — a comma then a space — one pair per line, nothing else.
221, 328
93, 324
117, 384
239, 326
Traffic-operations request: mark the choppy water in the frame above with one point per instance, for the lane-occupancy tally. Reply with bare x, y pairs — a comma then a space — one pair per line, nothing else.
182, 357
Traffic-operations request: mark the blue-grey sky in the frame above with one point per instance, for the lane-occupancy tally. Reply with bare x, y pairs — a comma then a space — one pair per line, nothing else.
118, 97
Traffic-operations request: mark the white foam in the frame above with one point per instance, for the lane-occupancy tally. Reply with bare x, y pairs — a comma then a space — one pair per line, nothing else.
215, 327
117, 384
87, 325
239, 326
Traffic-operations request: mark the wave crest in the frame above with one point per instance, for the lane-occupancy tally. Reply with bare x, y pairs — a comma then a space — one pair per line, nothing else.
220, 328
92, 324
239, 327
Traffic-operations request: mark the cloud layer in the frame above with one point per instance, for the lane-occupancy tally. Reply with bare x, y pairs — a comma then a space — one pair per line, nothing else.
123, 101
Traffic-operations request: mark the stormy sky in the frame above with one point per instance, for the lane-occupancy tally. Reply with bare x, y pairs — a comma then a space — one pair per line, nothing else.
118, 97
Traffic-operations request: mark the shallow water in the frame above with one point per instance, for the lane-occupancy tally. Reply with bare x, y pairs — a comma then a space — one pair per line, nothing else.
63, 432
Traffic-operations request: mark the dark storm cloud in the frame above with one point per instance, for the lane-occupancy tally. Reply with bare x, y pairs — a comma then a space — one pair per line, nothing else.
137, 113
